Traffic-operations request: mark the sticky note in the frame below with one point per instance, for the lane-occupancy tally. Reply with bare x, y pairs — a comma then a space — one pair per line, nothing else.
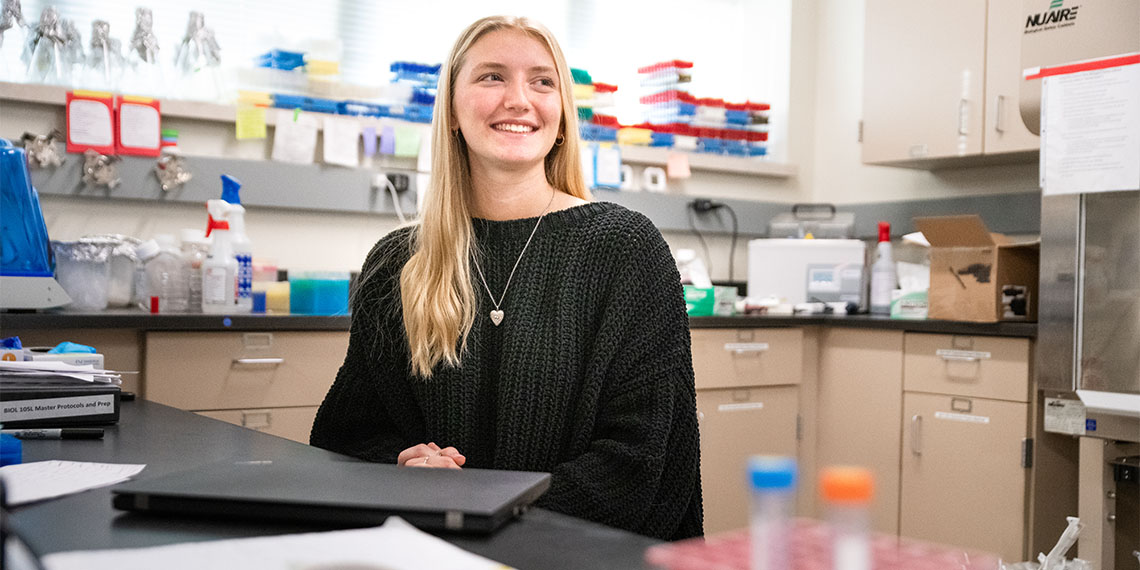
250, 123
89, 121
387, 140
294, 137
140, 125
407, 141
369, 134
607, 166
342, 145
677, 165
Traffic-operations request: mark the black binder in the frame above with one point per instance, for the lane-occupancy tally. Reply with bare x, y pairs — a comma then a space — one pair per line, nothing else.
26, 405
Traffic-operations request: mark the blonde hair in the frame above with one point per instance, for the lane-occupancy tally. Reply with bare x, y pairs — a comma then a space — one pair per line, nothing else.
437, 291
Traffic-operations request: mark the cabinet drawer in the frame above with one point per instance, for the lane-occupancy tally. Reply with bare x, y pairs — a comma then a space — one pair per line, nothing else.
728, 358
978, 366
219, 371
289, 423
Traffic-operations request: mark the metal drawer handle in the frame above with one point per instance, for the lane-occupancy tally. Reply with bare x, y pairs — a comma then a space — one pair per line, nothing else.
274, 361
746, 347
916, 434
959, 358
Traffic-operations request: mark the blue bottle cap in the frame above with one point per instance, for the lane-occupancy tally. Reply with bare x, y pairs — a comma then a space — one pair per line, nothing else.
772, 472
11, 450
230, 189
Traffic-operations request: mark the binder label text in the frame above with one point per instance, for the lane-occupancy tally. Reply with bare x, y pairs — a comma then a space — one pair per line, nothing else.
46, 408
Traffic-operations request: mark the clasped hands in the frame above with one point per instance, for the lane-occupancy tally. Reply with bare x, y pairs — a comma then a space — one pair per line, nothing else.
430, 455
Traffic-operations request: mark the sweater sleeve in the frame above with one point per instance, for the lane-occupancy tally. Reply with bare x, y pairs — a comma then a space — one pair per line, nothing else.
641, 469
360, 416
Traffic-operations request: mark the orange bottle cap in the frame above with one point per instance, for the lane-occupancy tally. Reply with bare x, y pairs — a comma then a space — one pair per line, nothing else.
848, 485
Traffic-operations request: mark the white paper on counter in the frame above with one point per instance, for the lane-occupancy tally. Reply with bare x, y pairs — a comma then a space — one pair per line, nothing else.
396, 545
29, 482
342, 142
294, 137
1090, 131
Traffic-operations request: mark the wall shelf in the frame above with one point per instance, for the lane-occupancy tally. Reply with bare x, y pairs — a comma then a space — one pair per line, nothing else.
215, 112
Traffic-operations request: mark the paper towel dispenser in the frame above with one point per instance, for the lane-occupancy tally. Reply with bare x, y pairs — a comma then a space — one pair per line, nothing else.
1065, 31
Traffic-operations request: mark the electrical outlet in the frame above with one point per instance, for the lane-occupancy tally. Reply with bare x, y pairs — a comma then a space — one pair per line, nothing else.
399, 181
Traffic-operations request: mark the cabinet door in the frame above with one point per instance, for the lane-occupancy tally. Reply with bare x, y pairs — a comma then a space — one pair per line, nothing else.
860, 402
289, 423
924, 76
737, 423
1005, 129
727, 358
963, 483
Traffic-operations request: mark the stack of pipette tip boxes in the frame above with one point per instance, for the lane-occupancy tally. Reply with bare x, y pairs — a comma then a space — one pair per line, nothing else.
708, 125
594, 102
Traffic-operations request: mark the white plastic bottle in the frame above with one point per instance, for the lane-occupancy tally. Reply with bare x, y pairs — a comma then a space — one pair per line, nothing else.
883, 277
847, 493
219, 271
243, 248
166, 274
773, 483
195, 248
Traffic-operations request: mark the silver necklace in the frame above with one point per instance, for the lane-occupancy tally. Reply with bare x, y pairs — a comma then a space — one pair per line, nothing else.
497, 312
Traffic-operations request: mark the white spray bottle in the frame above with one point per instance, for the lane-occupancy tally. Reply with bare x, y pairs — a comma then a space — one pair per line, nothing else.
219, 270
243, 248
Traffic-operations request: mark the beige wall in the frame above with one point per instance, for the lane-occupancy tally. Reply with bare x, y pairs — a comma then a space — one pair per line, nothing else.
825, 102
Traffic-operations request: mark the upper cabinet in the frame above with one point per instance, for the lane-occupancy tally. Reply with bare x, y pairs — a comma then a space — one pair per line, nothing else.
941, 82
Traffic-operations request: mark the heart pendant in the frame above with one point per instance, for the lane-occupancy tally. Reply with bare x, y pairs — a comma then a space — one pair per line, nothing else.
496, 317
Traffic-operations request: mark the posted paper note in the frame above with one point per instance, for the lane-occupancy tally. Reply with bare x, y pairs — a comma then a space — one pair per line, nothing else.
295, 137
342, 142
1090, 126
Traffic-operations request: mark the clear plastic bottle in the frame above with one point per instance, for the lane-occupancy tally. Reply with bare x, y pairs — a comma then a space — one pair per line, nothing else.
145, 251
847, 493
243, 248
195, 248
166, 278
883, 278
773, 483
219, 271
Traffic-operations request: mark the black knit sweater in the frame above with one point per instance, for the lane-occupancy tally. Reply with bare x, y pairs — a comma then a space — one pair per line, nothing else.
589, 376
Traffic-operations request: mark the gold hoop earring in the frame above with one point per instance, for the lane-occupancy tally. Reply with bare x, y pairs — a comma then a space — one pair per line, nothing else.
559, 139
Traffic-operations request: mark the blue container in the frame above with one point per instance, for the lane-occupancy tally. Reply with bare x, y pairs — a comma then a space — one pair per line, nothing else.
311, 104
25, 249
11, 450
318, 293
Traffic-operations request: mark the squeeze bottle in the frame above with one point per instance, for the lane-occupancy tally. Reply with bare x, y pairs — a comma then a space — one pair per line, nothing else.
219, 270
773, 483
883, 273
242, 247
847, 493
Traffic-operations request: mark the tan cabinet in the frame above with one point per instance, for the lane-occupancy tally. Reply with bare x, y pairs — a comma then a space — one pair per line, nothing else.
263, 380
747, 404
966, 442
860, 403
941, 81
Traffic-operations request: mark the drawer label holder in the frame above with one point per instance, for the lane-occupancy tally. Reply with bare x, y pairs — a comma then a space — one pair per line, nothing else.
962, 418
740, 407
962, 355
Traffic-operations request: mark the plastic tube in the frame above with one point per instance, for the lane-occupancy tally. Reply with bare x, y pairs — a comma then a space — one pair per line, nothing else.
847, 491
773, 483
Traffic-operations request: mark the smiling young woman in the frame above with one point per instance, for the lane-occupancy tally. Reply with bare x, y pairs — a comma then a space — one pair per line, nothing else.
518, 324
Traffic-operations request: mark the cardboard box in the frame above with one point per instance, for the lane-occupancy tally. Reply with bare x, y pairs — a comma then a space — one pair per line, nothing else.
979, 276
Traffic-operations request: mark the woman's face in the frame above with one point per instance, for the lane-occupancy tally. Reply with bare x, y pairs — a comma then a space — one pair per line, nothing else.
507, 101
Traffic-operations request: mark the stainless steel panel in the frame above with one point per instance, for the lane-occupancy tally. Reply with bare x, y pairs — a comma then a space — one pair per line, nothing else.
1110, 296
1056, 312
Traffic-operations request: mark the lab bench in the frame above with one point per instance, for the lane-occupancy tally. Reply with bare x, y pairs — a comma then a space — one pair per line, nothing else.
168, 440
944, 413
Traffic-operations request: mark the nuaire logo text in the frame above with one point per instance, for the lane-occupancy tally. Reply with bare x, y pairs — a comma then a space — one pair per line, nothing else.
1058, 16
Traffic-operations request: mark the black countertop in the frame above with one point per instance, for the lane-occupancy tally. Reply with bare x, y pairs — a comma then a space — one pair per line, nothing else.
133, 319
168, 440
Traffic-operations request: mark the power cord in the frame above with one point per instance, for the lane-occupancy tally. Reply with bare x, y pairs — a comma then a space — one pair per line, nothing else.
701, 206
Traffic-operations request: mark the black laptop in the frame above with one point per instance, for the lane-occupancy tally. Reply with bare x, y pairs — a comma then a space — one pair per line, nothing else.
340, 493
